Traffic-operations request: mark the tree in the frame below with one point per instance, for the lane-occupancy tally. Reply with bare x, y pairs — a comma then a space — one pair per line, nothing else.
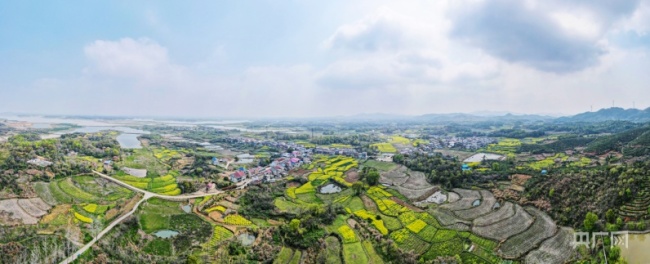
372, 177
610, 216
590, 221
614, 254
294, 225
357, 187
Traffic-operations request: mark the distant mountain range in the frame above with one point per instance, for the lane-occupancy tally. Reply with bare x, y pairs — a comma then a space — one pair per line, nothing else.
610, 114
605, 114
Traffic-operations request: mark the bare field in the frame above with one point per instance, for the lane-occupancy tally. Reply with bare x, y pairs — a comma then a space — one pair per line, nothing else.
557, 249
487, 203
13, 214
506, 211
500, 231
34, 206
412, 184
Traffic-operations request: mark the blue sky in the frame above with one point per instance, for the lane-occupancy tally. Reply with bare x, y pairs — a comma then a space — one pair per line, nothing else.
322, 58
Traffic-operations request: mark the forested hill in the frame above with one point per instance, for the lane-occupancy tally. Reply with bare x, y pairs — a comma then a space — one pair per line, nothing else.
609, 114
634, 142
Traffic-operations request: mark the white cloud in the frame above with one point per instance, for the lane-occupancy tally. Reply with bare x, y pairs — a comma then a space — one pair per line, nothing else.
143, 60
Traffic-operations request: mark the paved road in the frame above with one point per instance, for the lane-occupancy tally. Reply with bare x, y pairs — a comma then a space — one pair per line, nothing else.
147, 195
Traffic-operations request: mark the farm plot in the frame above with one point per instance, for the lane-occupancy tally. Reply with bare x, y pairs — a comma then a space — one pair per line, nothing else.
354, 253
332, 250
43, 190
380, 165
500, 231
453, 197
296, 257
68, 187
143, 159
155, 214
165, 155
487, 203
416, 181
468, 197
58, 194
384, 147
409, 241
397, 176
506, 211
219, 235
16, 215
34, 206
238, 220
428, 233
446, 217
58, 215
284, 256
541, 229
557, 249
163, 185
371, 253
447, 248
488, 256
384, 203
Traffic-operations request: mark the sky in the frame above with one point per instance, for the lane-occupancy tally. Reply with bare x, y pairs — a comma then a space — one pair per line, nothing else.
233, 59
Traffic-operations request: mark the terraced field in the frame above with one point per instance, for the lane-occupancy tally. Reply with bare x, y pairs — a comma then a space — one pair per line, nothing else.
22, 211
502, 230
521, 230
638, 207
542, 228
163, 185
556, 249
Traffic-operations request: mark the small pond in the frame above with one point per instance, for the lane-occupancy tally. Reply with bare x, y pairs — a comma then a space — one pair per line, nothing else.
476, 203
637, 249
165, 233
187, 208
330, 188
246, 239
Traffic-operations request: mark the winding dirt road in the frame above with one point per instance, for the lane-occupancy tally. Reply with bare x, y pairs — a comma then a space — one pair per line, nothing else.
147, 195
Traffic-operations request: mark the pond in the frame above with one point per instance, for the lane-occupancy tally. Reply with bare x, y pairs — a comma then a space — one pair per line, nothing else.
187, 208
128, 137
476, 203
330, 188
478, 157
129, 141
165, 233
246, 239
637, 248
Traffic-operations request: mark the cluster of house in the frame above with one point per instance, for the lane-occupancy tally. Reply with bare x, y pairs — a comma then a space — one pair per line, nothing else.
341, 151
442, 142
40, 162
276, 169
469, 143
283, 146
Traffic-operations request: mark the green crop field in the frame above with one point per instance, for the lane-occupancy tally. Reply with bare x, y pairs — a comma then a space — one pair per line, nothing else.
380, 165
68, 187
354, 253
385, 147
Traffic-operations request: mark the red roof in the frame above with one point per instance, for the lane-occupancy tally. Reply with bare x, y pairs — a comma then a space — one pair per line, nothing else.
239, 174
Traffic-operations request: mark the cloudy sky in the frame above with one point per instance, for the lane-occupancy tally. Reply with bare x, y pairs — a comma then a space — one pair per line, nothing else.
322, 58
